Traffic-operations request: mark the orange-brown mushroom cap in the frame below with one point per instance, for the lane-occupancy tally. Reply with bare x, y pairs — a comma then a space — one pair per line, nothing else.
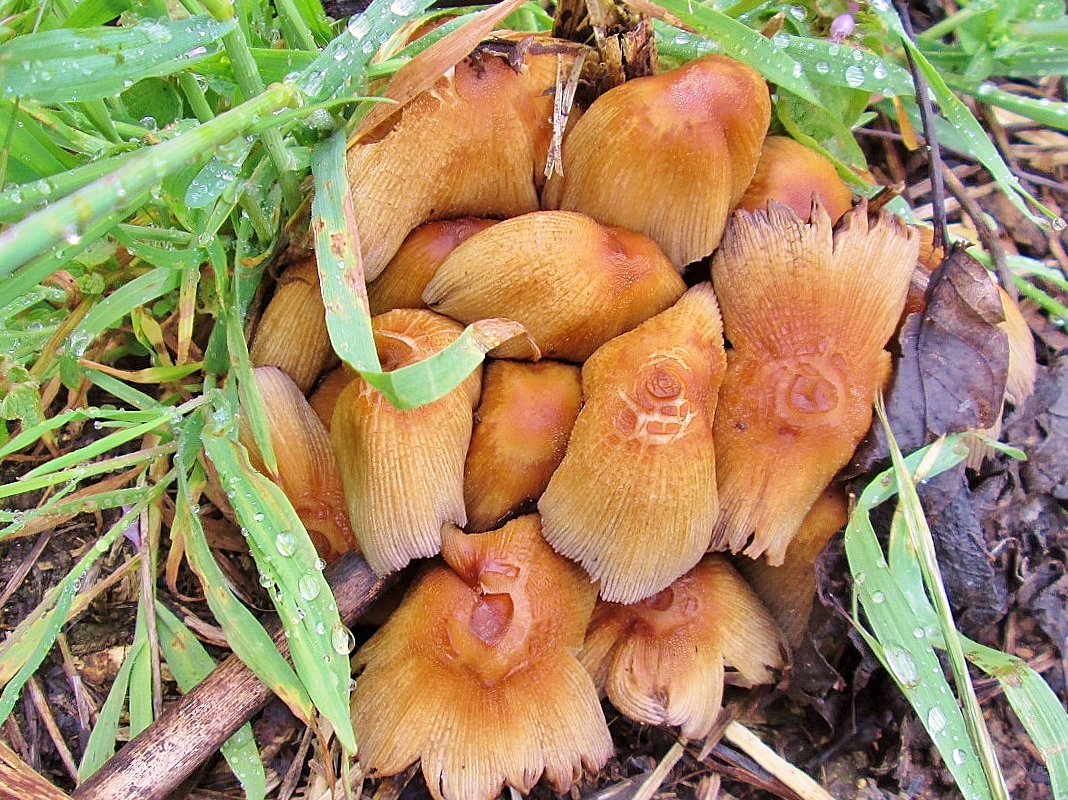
790, 173
473, 145
667, 155
634, 499
808, 313
570, 281
403, 470
661, 660
476, 673
521, 430
307, 471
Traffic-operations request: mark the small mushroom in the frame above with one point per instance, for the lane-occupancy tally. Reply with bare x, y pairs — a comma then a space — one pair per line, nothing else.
307, 471
403, 470
662, 660
789, 589
790, 173
470, 146
634, 499
667, 155
476, 673
401, 283
292, 333
521, 429
808, 313
570, 281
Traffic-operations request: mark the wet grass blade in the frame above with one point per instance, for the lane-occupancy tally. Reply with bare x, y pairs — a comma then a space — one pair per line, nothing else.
190, 663
244, 633
291, 570
345, 294
105, 733
67, 65
26, 647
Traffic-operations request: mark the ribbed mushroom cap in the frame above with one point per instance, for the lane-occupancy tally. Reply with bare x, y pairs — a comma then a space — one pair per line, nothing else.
521, 429
471, 146
808, 314
634, 499
790, 173
570, 281
789, 589
668, 155
476, 674
324, 396
661, 661
307, 470
403, 470
292, 333
401, 283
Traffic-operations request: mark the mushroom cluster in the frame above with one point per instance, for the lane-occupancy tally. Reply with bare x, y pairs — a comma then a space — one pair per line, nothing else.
705, 372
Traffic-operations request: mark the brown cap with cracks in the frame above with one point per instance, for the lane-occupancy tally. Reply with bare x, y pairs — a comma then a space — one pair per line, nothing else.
570, 281
661, 660
476, 674
668, 155
808, 313
639, 475
403, 470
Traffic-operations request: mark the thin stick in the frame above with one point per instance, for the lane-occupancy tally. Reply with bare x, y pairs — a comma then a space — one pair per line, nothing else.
923, 99
796, 780
659, 775
167, 752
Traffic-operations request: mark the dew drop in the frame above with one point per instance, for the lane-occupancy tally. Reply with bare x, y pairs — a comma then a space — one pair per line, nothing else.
320, 564
402, 8
861, 577
266, 581
919, 633
320, 629
936, 720
904, 668
959, 756
285, 543
822, 67
879, 71
258, 516
878, 597
341, 639
854, 75
308, 587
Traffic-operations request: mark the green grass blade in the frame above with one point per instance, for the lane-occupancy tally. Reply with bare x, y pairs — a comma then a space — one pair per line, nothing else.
141, 711
72, 218
102, 738
739, 41
909, 659
960, 117
244, 633
318, 641
69, 65
190, 664
348, 319
26, 647
1039, 709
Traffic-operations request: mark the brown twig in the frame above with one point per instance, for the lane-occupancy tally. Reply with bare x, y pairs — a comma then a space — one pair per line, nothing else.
161, 757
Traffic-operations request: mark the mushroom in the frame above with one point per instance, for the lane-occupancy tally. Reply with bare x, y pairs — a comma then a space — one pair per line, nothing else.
401, 283
789, 589
476, 674
634, 499
661, 660
521, 429
403, 470
807, 313
292, 333
570, 281
667, 155
470, 146
791, 174
307, 471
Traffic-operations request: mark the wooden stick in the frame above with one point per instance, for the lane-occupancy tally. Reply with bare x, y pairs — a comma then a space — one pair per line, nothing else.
153, 764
